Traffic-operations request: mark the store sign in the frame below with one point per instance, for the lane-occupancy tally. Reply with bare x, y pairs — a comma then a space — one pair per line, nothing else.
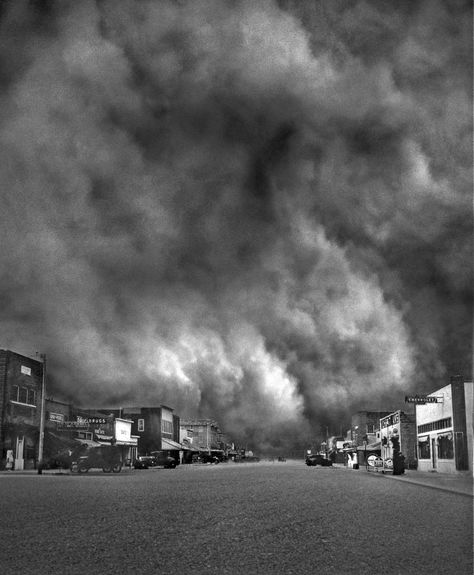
68, 425
25, 370
57, 417
422, 399
392, 419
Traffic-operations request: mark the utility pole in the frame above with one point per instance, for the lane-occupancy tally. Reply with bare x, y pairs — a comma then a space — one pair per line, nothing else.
42, 416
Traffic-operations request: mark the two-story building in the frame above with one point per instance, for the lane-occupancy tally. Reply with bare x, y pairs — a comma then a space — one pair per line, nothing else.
204, 436
397, 433
21, 384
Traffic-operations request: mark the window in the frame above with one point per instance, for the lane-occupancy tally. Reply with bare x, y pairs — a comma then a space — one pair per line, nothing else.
445, 446
424, 447
141, 425
434, 425
370, 428
24, 395
167, 427
84, 435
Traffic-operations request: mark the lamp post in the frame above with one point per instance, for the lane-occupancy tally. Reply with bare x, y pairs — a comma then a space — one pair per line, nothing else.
42, 416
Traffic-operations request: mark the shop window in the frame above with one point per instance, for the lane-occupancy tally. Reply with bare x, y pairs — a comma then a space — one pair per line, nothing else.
424, 448
445, 446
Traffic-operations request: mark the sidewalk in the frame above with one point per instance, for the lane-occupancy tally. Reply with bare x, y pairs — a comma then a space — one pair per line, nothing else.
456, 483
93, 471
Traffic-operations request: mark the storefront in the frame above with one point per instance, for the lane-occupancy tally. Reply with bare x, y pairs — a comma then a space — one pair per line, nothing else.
397, 434
444, 426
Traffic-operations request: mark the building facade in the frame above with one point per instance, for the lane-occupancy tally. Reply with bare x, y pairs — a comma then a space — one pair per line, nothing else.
398, 432
157, 429
21, 384
444, 428
204, 435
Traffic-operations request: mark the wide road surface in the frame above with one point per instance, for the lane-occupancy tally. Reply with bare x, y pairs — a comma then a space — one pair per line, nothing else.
275, 518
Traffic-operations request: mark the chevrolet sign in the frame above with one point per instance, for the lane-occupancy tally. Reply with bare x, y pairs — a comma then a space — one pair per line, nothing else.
422, 399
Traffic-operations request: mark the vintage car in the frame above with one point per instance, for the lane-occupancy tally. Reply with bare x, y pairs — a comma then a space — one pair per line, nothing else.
144, 462
107, 458
162, 459
155, 459
317, 459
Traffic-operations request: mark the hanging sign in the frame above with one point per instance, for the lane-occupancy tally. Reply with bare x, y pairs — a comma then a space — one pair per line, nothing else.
423, 399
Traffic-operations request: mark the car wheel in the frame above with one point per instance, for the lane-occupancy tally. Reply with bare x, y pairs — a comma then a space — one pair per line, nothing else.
117, 468
106, 469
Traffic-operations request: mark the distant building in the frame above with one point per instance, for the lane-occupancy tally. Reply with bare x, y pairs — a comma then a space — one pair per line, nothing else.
204, 435
20, 408
365, 427
364, 435
444, 428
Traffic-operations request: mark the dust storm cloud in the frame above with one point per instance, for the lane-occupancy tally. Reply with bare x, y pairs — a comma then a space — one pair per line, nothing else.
253, 211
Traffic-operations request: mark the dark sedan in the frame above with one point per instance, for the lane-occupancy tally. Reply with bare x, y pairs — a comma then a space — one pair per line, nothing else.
317, 459
144, 462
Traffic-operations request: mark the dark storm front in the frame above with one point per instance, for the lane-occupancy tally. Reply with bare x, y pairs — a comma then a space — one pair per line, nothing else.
262, 518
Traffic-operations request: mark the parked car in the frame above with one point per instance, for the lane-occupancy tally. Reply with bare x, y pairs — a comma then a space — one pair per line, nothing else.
144, 462
164, 460
317, 459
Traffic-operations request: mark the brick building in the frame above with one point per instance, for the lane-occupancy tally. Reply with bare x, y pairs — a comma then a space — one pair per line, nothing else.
21, 383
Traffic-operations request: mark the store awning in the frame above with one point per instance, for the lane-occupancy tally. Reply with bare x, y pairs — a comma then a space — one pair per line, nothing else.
132, 442
189, 447
169, 444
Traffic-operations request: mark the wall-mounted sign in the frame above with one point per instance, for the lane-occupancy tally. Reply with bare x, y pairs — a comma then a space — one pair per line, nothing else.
390, 420
66, 425
422, 399
94, 419
26, 370
58, 417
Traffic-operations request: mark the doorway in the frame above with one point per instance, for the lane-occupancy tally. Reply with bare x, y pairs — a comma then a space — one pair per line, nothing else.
19, 457
433, 453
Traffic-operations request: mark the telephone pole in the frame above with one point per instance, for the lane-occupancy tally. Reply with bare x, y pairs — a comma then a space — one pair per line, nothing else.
42, 415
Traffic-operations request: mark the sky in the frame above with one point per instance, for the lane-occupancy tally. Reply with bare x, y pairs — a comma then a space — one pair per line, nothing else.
256, 212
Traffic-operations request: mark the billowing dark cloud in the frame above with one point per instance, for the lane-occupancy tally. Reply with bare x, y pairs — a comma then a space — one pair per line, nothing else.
257, 212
